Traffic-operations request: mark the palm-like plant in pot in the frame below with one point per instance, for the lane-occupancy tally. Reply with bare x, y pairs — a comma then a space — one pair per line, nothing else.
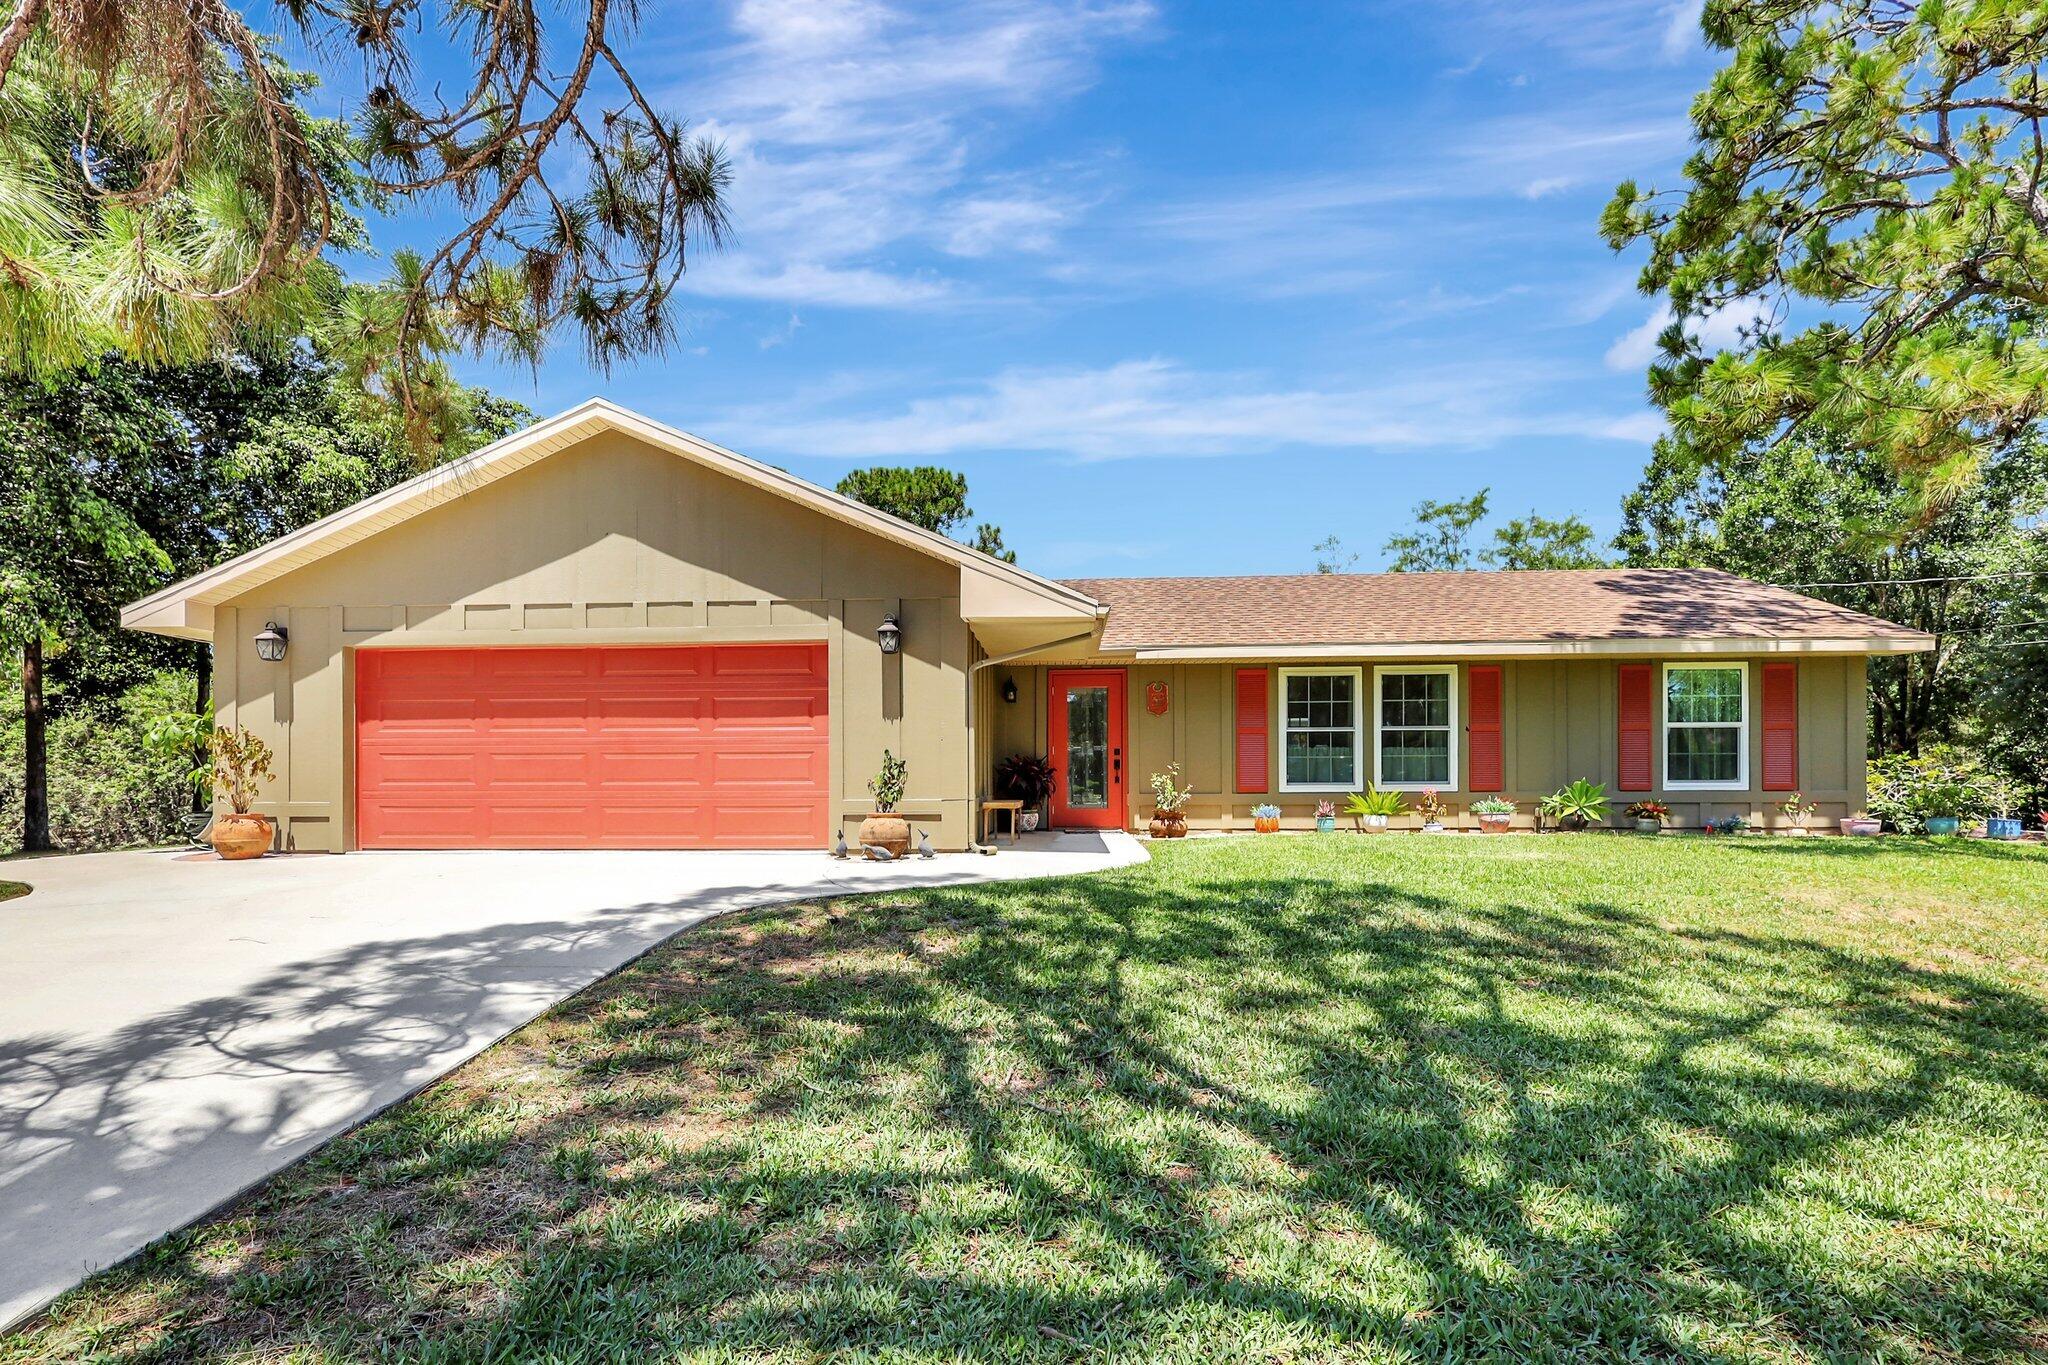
1578, 806
1028, 778
241, 765
1372, 808
1169, 804
885, 829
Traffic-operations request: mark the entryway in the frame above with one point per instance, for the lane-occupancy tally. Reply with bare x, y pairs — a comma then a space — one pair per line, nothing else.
1086, 718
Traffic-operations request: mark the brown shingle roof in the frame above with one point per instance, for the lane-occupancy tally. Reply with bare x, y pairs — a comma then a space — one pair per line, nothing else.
1463, 608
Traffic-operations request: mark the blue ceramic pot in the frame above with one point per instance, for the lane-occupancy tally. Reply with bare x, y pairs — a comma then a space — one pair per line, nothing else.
1326, 824
2002, 827
1943, 824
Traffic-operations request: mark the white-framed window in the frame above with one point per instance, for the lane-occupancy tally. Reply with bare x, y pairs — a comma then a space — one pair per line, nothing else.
1319, 729
1415, 726
1706, 726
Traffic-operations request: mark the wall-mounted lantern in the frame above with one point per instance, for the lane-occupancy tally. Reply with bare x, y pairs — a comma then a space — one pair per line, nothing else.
271, 642
889, 634
1010, 690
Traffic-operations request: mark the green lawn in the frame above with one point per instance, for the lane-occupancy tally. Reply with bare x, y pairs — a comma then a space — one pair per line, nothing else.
1275, 1099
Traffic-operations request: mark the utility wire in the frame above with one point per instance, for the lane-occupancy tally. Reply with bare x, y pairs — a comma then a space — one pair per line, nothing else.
1939, 578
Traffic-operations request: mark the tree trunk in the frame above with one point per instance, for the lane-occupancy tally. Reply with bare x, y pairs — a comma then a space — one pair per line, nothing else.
202, 688
35, 778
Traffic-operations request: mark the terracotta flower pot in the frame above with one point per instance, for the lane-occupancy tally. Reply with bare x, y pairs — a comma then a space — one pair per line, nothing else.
886, 829
1495, 822
1266, 824
1168, 824
244, 835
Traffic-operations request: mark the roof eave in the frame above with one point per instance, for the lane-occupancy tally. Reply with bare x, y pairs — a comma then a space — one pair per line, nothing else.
1387, 649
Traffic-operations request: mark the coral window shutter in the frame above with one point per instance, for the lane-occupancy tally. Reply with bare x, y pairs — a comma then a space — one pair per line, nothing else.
1483, 733
1251, 731
1635, 712
1781, 727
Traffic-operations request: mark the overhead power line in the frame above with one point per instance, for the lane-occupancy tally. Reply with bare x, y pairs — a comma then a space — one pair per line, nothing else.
1936, 578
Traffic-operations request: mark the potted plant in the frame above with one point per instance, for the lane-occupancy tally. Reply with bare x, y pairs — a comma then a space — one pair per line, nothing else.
1578, 806
1495, 813
1432, 809
241, 764
1730, 824
1169, 804
1326, 817
885, 829
1797, 810
2003, 797
1028, 778
1266, 818
1650, 816
1861, 825
1943, 801
1369, 810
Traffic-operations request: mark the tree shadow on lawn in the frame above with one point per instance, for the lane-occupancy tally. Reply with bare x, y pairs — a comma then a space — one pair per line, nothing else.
1227, 1117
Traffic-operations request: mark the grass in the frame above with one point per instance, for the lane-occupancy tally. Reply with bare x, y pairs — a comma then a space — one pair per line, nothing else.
9, 890
1276, 1099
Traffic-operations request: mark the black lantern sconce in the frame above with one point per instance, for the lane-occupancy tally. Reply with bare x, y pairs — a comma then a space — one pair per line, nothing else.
1010, 691
271, 642
889, 635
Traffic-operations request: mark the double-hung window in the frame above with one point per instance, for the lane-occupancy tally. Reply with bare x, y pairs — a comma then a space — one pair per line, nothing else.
1706, 726
1415, 736
1319, 729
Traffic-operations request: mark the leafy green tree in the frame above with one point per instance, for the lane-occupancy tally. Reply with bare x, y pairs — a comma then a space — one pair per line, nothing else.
924, 495
169, 196
1442, 538
1806, 512
1332, 557
1868, 186
1537, 542
122, 477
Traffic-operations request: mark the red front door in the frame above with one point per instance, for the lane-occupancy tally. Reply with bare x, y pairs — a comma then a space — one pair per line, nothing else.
1087, 721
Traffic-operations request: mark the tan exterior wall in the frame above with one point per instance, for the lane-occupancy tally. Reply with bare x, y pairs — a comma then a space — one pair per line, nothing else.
1558, 718
611, 542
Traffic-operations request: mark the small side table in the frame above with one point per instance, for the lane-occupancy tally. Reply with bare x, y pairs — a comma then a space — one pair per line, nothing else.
989, 808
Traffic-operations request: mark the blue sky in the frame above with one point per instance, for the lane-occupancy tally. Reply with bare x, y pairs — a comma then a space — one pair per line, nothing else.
1182, 288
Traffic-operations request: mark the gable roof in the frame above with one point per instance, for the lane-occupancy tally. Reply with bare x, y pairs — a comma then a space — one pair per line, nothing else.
1527, 611
185, 608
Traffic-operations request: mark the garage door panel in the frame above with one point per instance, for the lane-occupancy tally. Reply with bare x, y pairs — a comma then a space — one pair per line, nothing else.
659, 747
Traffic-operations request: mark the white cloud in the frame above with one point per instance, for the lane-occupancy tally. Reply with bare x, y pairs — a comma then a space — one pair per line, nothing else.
1681, 30
1155, 407
854, 126
783, 334
1719, 330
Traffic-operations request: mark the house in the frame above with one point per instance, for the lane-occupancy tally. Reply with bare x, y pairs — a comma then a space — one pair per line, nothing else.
603, 632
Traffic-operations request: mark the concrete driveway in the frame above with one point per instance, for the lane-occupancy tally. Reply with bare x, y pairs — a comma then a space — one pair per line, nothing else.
174, 1028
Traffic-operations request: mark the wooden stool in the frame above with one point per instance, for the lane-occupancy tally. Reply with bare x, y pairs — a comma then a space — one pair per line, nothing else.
989, 808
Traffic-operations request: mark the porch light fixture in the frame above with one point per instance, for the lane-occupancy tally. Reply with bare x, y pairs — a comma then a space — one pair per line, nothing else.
271, 642
1010, 690
889, 635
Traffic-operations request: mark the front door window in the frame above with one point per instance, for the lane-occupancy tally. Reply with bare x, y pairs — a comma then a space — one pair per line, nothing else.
1087, 747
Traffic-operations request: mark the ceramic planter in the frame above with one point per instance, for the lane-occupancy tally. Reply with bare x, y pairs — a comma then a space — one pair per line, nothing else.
1495, 822
1326, 824
1027, 820
1649, 826
1862, 827
2002, 827
240, 835
1373, 824
1168, 824
887, 830
1941, 825
1432, 827
1266, 824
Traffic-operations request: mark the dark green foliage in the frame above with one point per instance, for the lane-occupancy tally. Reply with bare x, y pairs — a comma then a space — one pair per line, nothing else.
108, 787
1442, 540
924, 495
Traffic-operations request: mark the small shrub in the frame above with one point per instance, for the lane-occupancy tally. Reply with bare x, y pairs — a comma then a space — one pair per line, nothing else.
888, 784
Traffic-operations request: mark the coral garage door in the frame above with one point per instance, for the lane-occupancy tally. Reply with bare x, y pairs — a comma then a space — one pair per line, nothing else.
663, 746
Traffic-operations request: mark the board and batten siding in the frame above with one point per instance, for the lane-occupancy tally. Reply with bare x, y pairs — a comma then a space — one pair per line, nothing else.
1558, 718
611, 542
